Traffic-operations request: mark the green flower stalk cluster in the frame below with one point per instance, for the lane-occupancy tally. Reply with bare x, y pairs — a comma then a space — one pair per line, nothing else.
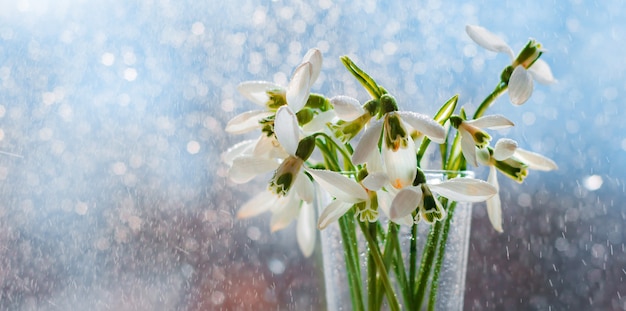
381, 173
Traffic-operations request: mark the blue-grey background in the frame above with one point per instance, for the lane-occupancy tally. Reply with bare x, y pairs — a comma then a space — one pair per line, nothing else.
113, 196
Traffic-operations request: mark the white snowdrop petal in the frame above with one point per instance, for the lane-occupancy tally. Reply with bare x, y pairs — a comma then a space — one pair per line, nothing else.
520, 86
260, 203
339, 186
375, 181
247, 167
535, 161
314, 56
368, 143
299, 87
332, 212
284, 212
405, 202
319, 122
304, 187
269, 147
256, 91
406, 220
540, 70
504, 149
246, 121
494, 208
346, 107
424, 124
465, 189
401, 165
384, 203
493, 121
494, 211
286, 129
305, 229
488, 40
468, 147
239, 149
483, 156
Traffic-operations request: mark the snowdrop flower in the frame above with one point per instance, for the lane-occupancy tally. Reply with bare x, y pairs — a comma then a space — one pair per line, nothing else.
371, 193
420, 196
472, 134
297, 204
513, 162
250, 158
272, 96
290, 191
353, 117
346, 107
523, 69
346, 192
365, 196
398, 147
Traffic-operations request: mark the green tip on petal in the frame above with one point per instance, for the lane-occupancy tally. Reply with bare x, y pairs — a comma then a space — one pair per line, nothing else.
481, 139
366, 212
432, 210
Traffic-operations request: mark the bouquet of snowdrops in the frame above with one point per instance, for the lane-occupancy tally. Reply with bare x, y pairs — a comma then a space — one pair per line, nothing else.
368, 157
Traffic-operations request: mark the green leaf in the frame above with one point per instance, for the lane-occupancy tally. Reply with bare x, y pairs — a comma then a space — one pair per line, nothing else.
446, 110
368, 83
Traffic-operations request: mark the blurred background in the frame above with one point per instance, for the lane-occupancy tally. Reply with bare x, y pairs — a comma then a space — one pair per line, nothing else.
113, 194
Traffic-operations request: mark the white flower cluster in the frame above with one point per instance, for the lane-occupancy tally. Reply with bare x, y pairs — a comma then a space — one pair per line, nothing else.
382, 173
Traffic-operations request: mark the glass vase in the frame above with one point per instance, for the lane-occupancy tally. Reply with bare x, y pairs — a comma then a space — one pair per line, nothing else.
451, 279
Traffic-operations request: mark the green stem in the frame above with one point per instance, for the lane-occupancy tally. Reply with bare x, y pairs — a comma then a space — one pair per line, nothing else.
426, 263
398, 263
422, 150
348, 235
413, 260
372, 282
346, 155
392, 256
330, 161
439, 261
500, 88
382, 272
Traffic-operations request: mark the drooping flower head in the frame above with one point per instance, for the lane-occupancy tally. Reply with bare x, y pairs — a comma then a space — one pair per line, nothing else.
523, 69
398, 148
514, 163
279, 148
473, 136
420, 196
272, 96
